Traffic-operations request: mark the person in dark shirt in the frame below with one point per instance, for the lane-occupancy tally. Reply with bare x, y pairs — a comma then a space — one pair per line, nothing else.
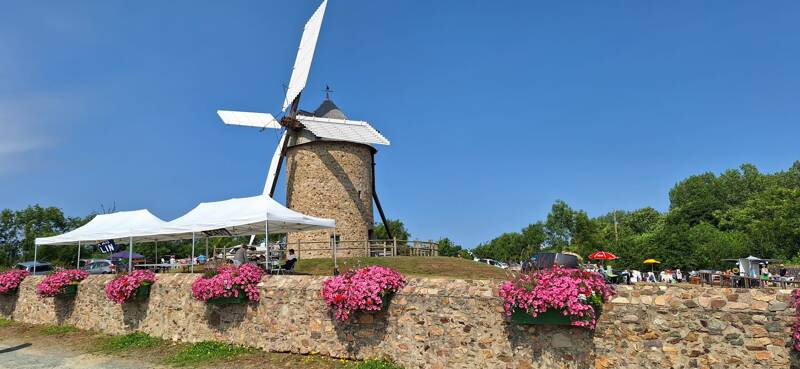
782, 271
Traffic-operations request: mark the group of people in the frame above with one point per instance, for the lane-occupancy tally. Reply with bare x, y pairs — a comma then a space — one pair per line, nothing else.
664, 276
240, 257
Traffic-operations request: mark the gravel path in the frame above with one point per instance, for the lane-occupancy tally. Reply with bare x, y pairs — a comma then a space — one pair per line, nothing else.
29, 355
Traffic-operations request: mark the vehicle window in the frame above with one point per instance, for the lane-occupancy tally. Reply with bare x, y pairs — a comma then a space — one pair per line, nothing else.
43, 268
22, 267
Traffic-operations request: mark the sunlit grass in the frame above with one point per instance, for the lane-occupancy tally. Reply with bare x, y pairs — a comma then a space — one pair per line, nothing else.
55, 330
137, 340
206, 351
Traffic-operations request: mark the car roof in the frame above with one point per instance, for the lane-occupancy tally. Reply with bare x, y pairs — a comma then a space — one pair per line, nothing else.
30, 263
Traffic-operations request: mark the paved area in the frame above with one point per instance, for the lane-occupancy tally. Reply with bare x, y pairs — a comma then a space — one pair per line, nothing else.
27, 355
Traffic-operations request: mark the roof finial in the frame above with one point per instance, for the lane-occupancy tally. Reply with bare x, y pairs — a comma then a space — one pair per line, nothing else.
328, 92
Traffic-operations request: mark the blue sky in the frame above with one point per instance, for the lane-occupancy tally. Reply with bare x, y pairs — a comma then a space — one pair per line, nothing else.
494, 109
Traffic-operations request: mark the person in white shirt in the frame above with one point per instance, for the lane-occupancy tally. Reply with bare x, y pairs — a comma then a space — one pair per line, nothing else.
291, 259
678, 275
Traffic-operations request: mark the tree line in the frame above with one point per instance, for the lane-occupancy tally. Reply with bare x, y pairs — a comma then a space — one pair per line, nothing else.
710, 218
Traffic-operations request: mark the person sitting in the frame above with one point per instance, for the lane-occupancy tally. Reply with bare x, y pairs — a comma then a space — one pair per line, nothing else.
291, 259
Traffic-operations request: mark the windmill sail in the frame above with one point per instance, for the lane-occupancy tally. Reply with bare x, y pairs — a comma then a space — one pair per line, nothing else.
243, 118
274, 167
305, 53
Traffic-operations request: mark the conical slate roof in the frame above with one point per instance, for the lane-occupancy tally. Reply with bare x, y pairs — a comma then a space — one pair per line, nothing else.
329, 110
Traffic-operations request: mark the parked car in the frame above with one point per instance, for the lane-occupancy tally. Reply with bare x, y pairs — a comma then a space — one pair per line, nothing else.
491, 262
545, 260
41, 268
102, 267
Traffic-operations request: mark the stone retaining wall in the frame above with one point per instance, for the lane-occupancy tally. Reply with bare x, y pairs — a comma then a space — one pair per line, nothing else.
442, 323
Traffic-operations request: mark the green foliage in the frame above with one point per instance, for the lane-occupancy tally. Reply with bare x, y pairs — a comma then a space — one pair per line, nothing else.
448, 248
6, 322
136, 340
206, 351
376, 364
741, 212
57, 330
397, 227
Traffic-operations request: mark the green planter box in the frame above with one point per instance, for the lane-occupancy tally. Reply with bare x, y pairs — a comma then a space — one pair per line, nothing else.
549, 317
68, 291
222, 301
386, 300
141, 293
10, 292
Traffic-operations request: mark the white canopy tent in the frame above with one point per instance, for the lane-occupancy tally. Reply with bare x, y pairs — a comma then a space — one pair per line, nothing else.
123, 225
233, 217
240, 217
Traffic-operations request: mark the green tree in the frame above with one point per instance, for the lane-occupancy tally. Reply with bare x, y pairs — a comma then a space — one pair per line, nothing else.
396, 226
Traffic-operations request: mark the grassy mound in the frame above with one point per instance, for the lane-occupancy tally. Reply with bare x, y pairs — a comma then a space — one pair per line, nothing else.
413, 266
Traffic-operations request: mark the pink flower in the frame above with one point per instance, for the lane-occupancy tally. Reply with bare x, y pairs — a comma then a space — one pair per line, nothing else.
51, 285
229, 282
570, 291
796, 325
122, 288
360, 290
10, 280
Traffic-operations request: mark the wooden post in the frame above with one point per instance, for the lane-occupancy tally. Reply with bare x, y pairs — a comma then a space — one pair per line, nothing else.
394, 246
366, 246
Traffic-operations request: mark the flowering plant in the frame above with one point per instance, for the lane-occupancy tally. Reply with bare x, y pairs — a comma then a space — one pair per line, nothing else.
577, 294
123, 287
53, 284
361, 290
796, 325
10, 280
229, 281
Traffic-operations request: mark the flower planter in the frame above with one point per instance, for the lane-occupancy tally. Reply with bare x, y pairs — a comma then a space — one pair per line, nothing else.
386, 299
549, 317
223, 301
142, 293
69, 291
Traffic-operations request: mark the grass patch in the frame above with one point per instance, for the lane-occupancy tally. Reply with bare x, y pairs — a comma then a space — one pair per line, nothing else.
55, 330
137, 340
419, 266
6, 322
206, 351
376, 364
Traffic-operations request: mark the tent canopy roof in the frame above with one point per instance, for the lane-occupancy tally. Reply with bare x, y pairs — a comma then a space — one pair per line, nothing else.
114, 226
242, 217
234, 217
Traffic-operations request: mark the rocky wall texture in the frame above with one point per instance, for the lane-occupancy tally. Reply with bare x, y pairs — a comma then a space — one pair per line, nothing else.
442, 323
331, 180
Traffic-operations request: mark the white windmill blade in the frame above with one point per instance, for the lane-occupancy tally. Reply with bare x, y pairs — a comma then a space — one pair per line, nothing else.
343, 130
249, 119
305, 53
274, 165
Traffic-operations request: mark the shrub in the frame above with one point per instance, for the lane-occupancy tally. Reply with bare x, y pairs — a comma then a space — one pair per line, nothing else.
229, 281
577, 294
10, 280
123, 287
360, 290
52, 284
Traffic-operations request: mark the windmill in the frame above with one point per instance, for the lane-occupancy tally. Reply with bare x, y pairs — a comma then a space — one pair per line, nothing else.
318, 136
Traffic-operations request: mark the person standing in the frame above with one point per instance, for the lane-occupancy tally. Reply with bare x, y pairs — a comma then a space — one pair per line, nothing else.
240, 257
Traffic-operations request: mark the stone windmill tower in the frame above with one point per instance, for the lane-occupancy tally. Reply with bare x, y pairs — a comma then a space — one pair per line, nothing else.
329, 160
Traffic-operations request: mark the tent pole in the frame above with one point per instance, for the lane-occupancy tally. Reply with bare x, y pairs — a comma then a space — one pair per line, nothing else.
156, 260
335, 264
192, 261
266, 242
130, 254
35, 250
78, 263
206, 248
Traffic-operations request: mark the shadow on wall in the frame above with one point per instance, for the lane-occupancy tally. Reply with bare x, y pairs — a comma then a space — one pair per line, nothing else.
559, 346
133, 312
64, 307
222, 318
363, 330
8, 303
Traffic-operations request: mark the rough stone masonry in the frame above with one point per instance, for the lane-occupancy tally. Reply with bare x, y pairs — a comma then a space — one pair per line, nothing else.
445, 323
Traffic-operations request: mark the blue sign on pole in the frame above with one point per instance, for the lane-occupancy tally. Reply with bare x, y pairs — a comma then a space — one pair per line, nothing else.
107, 246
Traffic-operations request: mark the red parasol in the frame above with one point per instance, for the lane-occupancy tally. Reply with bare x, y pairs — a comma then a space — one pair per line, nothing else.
602, 255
